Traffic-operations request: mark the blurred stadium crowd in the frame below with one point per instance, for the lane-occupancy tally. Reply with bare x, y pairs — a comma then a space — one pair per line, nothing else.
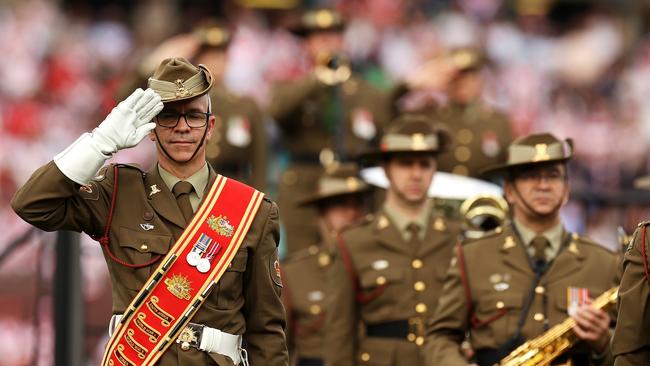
580, 69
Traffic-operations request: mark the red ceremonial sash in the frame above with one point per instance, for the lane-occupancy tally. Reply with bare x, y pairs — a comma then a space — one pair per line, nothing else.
181, 283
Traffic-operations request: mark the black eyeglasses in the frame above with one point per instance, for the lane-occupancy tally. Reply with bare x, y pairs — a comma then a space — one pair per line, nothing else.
169, 119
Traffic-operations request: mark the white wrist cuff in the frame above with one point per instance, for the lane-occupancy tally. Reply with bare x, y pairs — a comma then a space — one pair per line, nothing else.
81, 160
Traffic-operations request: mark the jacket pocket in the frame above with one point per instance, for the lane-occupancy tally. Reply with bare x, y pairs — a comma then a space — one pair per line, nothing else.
496, 315
138, 248
229, 290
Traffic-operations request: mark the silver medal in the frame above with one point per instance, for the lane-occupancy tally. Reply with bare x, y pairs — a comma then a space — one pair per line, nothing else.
204, 265
193, 258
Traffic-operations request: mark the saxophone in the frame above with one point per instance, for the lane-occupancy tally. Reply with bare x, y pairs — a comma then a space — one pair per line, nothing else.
542, 350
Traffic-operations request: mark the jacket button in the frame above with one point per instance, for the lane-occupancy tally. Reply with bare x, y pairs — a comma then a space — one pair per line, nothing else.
381, 280
315, 309
500, 305
419, 286
365, 357
147, 215
419, 341
421, 308
539, 290
144, 247
539, 317
417, 263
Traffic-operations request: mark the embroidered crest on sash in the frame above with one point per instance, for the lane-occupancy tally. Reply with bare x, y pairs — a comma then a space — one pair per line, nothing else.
179, 286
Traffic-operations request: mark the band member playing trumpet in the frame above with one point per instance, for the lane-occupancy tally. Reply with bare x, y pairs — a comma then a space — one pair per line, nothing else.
329, 114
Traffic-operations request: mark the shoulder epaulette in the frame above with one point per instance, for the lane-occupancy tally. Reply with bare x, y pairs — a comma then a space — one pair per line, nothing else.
132, 167
643, 223
484, 235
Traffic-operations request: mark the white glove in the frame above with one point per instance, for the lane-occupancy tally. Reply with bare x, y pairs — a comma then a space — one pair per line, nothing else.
127, 124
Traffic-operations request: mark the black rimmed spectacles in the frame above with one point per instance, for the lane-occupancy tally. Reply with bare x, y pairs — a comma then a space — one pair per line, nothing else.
193, 119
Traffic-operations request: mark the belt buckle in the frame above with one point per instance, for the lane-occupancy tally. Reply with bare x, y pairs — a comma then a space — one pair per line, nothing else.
190, 336
416, 330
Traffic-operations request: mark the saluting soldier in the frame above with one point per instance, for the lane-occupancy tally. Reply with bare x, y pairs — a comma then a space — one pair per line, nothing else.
340, 203
238, 147
528, 276
631, 340
481, 134
327, 115
388, 271
164, 261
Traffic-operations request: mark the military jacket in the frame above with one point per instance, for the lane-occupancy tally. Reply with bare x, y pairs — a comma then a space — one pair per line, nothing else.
631, 341
146, 223
313, 116
384, 280
304, 274
481, 137
238, 147
499, 277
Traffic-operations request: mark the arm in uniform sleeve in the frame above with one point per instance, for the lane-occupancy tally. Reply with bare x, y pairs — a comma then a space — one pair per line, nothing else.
341, 316
288, 97
260, 148
631, 341
449, 323
263, 309
51, 201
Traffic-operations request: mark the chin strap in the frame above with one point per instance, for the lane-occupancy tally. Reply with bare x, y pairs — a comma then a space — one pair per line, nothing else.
205, 132
540, 215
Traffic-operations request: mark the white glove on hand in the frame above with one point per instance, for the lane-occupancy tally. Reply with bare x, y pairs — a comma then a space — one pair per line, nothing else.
127, 124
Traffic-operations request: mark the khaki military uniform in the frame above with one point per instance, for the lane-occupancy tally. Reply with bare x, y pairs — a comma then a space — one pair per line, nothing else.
317, 120
481, 136
387, 285
631, 341
238, 147
247, 298
304, 274
498, 277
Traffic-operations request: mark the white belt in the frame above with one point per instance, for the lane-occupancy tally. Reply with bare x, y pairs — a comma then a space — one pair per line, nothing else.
212, 340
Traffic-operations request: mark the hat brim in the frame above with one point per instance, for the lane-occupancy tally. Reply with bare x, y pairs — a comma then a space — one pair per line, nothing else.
375, 157
315, 199
501, 169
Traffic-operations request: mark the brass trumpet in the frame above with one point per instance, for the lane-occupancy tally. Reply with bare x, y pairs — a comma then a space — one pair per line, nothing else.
332, 69
483, 213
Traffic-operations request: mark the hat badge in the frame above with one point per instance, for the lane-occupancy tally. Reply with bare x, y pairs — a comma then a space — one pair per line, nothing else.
417, 142
541, 152
181, 91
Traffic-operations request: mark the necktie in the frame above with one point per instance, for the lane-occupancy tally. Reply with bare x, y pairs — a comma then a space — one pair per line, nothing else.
540, 243
414, 241
182, 192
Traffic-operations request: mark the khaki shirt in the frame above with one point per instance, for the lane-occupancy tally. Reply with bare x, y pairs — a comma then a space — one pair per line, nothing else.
499, 276
385, 280
554, 235
246, 299
631, 341
198, 180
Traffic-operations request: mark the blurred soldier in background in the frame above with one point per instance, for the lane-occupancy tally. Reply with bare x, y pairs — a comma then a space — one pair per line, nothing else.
481, 134
238, 147
328, 115
513, 285
340, 204
389, 270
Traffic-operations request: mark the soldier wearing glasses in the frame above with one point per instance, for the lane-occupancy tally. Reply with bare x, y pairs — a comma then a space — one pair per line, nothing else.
149, 210
529, 275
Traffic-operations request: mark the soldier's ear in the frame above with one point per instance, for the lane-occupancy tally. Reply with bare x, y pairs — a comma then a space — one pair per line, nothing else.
152, 136
508, 192
211, 122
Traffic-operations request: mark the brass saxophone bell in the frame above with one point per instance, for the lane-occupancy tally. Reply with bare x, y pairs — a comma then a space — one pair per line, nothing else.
483, 213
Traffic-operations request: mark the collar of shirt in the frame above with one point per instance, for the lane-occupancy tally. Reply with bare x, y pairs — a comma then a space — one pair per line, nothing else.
198, 180
554, 236
402, 222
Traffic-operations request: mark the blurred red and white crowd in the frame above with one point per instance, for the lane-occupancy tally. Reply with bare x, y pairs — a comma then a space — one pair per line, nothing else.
580, 71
